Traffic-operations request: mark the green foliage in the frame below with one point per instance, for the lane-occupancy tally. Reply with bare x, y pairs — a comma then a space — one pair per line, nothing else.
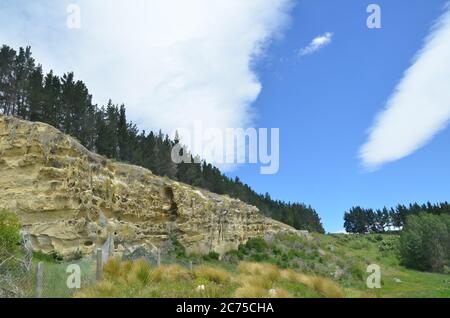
178, 249
67, 104
9, 233
212, 256
387, 246
360, 220
257, 244
425, 242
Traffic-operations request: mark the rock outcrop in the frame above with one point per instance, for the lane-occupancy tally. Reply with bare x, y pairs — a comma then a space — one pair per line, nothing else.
70, 200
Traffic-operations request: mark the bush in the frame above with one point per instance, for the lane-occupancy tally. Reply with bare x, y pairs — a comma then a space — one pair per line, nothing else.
212, 256
177, 249
9, 233
425, 242
257, 244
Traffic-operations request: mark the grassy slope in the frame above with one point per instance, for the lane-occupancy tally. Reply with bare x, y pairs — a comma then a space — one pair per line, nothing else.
381, 250
321, 266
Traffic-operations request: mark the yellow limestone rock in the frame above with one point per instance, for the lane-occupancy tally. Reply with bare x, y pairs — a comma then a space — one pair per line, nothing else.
71, 200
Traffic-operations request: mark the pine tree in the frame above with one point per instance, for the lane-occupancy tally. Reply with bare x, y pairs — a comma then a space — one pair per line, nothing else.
122, 135
7, 62
52, 110
36, 95
23, 68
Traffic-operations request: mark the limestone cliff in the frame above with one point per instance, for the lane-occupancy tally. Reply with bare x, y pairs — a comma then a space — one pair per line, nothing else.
71, 200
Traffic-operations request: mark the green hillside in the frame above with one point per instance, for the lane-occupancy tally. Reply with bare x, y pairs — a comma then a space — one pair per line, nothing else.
281, 266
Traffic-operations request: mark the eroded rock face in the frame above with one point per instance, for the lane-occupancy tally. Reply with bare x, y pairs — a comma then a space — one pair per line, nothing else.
71, 200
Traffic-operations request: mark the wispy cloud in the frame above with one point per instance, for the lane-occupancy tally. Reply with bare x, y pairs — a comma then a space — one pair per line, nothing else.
316, 44
419, 107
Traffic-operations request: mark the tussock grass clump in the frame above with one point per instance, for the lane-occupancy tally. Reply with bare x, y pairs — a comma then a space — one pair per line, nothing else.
324, 286
112, 267
139, 272
267, 271
257, 280
252, 280
327, 287
213, 274
300, 278
260, 280
170, 273
251, 291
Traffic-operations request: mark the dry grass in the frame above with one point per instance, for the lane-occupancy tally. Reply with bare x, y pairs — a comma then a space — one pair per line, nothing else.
213, 274
112, 267
251, 291
103, 289
258, 280
323, 286
253, 280
267, 271
327, 287
280, 293
139, 272
293, 276
170, 273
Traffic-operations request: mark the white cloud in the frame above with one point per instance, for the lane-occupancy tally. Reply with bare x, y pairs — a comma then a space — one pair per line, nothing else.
171, 62
316, 44
419, 107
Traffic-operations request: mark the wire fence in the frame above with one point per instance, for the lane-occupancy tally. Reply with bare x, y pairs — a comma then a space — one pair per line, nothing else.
49, 279
15, 282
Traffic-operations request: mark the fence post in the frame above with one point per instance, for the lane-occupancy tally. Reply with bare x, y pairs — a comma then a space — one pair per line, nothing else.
159, 257
99, 263
39, 279
190, 266
111, 246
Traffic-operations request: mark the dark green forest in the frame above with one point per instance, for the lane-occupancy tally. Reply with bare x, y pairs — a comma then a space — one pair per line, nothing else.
363, 221
65, 103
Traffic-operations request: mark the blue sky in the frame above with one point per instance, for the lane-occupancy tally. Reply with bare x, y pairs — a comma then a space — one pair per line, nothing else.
238, 64
325, 102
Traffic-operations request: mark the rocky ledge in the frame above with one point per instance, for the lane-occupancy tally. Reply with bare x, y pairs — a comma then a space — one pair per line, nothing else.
71, 201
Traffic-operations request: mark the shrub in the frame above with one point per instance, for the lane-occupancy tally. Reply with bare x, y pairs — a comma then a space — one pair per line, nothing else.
355, 269
425, 242
9, 233
260, 257
212, 256
177, 248
233, 257
257, 244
